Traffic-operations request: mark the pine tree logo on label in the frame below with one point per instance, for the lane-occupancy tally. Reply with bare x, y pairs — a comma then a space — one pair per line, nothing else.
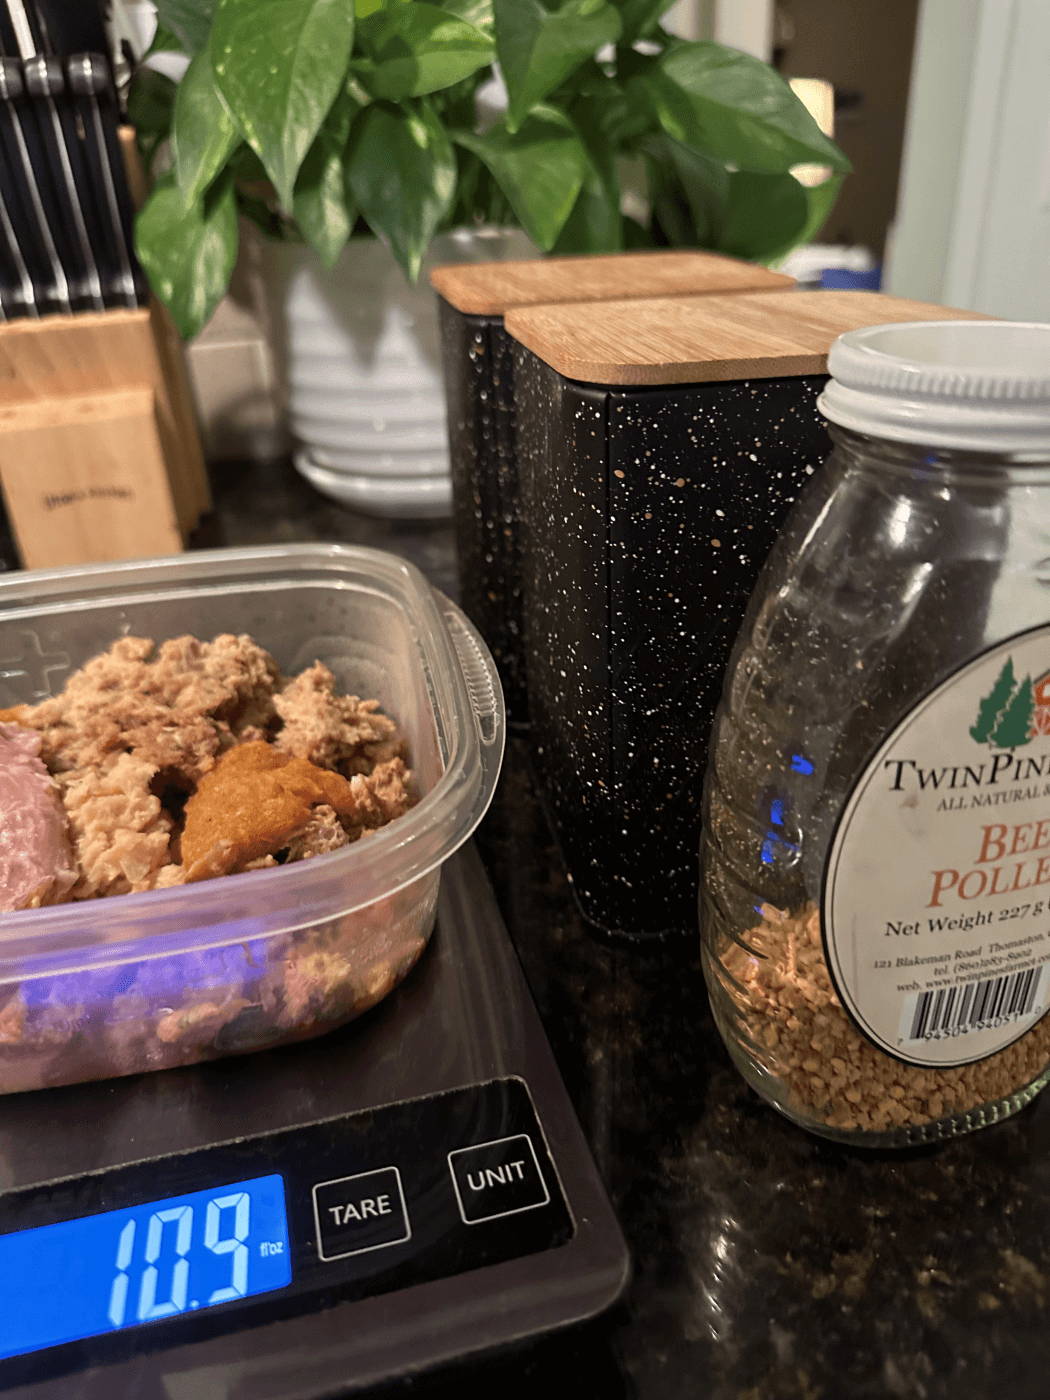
1013, 713
1011, 723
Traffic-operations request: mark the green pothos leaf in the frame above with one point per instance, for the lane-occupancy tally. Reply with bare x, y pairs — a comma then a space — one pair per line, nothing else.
402, 174
188, 250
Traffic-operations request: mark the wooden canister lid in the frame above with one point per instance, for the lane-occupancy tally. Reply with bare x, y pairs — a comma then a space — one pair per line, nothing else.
701, 339
492, 288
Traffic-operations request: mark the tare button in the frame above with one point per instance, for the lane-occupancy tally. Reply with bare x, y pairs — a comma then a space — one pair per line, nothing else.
497, 1178
355, 1214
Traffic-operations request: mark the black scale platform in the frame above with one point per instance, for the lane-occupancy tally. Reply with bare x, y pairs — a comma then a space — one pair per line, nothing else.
422, 1185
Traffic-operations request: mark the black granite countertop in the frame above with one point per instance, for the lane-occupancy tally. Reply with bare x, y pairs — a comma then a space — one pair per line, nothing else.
769, 1265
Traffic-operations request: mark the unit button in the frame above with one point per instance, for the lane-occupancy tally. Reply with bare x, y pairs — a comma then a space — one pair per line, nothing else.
355, 1214
497, 1178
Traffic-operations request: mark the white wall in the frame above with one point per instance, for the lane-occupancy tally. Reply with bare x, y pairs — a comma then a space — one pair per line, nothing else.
745, 24
688, 19
742, 24
973, 218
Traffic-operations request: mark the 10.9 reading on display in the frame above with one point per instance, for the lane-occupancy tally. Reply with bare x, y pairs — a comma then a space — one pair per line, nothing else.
103, 1273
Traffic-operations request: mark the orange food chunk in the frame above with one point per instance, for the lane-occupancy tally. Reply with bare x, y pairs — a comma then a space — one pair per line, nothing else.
252, 804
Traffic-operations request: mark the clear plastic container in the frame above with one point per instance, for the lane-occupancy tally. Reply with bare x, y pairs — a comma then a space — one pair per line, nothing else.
876, 920
146, 981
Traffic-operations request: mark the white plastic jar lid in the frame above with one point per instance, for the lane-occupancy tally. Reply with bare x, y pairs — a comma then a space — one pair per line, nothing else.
967, 385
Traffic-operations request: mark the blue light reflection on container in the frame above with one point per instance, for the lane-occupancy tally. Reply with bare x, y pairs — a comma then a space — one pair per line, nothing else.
773, 842
234, 965
774, 839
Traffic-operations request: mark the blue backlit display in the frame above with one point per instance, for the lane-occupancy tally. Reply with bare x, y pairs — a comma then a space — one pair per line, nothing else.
103, 1273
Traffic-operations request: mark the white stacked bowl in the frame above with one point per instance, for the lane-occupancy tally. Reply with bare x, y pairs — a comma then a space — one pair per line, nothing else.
361, 358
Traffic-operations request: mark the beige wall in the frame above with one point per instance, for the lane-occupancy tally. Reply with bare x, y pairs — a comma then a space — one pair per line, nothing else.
231, 365
862, 46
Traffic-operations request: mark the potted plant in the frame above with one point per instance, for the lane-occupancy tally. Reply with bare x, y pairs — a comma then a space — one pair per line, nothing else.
357, 134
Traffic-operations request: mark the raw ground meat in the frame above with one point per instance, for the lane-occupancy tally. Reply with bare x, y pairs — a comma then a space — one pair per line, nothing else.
36, 861
121, 834
138, 728
141, 738
322, 833
332, 730
175, 706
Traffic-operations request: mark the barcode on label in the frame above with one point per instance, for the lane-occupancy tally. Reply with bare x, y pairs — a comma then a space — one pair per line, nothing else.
972, 1005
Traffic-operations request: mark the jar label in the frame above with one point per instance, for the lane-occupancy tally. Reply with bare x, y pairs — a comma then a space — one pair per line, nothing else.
936, 901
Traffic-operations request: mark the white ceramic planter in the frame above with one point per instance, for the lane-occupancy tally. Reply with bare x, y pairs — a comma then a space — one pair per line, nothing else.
360, 356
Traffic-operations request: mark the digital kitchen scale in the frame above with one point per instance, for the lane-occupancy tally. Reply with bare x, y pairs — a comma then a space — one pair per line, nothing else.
308, 1221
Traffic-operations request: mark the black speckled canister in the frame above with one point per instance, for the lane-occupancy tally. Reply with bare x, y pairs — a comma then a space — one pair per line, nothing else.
648, 512
479, 367
479, 384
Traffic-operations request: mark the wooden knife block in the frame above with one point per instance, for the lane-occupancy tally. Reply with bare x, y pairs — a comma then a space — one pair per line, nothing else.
100, 457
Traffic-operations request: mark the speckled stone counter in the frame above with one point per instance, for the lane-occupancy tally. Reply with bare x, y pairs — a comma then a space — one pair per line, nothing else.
768, 1265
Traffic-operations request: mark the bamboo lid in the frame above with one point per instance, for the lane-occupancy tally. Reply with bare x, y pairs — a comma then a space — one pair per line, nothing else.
696, 340
492, 288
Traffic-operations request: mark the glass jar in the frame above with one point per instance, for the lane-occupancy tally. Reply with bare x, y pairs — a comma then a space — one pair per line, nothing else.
876, 841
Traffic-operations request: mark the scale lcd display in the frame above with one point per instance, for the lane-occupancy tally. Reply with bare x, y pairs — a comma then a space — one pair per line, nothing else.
104, 1273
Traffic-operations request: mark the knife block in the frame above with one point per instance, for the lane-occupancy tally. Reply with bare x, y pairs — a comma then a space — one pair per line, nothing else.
661, 445
100, 457
479, 389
